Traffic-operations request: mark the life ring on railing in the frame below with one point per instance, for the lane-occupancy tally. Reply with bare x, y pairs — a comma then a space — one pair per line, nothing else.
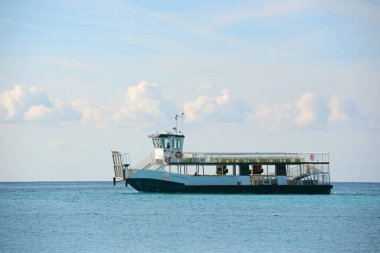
311, 157
178, 154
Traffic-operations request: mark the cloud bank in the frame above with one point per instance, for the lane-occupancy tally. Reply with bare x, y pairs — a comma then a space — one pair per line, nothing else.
342, 108
220, 108
308, 111
143, 104
22, 104
312, 110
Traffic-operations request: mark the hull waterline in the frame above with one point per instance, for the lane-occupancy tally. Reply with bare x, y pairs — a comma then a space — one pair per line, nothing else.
164, 186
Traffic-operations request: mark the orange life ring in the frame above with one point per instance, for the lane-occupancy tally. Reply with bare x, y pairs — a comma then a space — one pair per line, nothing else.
178, 154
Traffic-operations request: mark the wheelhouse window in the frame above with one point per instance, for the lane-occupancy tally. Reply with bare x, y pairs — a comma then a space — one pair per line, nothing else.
154, 143
178, 144
157, 143
175, 143
166, 143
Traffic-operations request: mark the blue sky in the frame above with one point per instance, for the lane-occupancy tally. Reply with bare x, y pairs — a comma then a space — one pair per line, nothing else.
81, 78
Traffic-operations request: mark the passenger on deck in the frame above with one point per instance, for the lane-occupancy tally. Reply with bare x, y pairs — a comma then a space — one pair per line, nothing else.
196, 174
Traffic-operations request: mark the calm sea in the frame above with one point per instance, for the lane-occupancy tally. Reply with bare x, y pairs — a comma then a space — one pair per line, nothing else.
97, 217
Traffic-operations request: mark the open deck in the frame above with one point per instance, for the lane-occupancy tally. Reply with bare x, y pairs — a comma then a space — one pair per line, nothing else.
252, 158
301, 168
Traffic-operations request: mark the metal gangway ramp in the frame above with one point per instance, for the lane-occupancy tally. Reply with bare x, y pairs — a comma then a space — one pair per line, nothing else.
120, 164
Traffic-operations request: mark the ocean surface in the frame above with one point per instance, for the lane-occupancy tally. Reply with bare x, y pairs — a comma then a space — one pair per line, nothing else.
98, 217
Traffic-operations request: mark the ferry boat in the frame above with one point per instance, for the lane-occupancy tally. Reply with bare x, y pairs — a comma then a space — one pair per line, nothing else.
169, 169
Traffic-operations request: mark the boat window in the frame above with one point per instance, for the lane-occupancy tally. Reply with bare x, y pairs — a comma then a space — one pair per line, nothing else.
172, 143
178, 144
166, 143
154, 143
160, 143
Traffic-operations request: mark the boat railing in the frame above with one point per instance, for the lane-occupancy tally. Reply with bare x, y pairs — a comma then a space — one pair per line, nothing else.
146, 162
263, 179
308, 157
309, 174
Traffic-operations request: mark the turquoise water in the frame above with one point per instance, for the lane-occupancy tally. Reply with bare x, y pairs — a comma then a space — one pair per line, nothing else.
97, 217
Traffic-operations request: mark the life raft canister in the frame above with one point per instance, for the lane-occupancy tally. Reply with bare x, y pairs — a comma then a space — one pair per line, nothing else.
311, 157
178, 154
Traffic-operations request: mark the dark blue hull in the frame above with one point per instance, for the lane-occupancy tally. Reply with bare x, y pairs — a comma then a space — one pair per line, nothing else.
154, 185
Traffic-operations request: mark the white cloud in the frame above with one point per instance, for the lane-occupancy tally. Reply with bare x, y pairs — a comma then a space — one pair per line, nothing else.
32, 105
15, 101
274, 116
144, 103
219, 109
312, 109
342, 108
309, 110
37, 112
92, 114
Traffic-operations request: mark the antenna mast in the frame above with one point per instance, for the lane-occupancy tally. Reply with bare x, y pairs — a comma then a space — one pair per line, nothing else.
176, 124
181, 117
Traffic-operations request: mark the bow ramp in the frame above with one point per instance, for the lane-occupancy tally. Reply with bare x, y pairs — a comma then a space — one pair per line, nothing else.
120, 165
